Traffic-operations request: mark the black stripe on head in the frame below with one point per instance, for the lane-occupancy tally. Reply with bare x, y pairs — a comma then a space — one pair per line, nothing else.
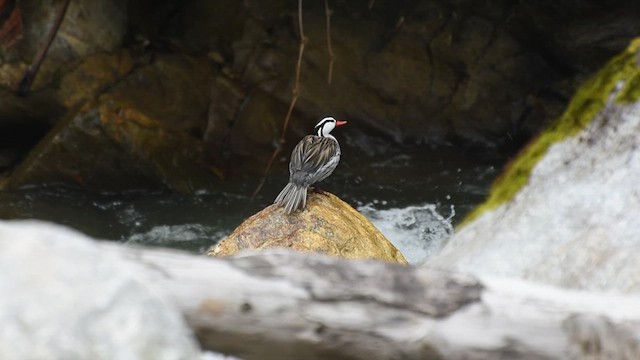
317, 129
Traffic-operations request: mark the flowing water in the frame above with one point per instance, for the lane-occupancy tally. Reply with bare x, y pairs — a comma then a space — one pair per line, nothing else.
414, 197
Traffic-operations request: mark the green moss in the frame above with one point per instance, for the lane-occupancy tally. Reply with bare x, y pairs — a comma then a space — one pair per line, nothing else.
631, 91
584, 107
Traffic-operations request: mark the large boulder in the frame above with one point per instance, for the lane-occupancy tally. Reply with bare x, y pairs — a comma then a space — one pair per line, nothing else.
64, 298
566, 210
327, 225
89, 27
145, 130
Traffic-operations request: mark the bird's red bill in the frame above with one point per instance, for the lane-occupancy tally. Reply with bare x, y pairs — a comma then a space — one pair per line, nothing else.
340, 122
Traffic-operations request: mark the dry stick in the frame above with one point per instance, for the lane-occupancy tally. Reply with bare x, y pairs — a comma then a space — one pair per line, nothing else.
25, 84
294, 99
332, 56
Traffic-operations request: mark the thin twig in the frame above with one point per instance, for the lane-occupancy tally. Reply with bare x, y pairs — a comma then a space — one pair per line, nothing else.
294, 99
296, 86
332, 56
25, 84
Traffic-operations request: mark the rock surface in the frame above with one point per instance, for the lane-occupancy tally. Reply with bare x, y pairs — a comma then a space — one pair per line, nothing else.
145, 131
432, 70
328, 225
571, 219
89, 27
63, 298
410, 72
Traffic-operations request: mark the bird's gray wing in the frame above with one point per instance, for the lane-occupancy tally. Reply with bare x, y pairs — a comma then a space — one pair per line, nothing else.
311, 153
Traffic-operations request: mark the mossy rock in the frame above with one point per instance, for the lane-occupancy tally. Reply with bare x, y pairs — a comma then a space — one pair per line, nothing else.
327, 225
622, 71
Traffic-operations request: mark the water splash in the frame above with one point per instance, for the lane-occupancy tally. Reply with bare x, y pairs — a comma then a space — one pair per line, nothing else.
195, 237
389, 188
417, 231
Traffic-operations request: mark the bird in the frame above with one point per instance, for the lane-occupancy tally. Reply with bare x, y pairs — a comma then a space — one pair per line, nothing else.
312, 160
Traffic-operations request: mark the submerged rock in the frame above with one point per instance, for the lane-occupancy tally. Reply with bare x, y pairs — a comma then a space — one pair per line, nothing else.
328, 225
566, 211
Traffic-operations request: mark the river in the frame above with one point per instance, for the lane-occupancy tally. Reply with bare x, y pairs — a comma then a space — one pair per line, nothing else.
415, 197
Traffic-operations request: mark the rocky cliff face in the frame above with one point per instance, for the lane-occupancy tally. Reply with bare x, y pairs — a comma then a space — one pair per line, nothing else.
486, 75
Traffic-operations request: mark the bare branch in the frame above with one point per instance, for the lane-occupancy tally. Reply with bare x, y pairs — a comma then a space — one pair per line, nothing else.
328, 12
25, 84
294, 99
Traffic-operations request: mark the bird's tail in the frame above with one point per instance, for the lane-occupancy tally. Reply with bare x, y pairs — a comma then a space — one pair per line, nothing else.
292, 197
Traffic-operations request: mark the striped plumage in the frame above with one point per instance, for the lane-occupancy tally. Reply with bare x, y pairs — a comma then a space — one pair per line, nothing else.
312, 160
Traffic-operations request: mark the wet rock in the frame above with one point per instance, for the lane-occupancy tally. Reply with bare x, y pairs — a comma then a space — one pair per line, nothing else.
407, 72
327, 225
10, 25
79, 151
414, 73
89, 27
95, 308
242, 127
227, 97
11, 74
94, 75
432, 71
24, 121
584, 38
565, 211
145, 131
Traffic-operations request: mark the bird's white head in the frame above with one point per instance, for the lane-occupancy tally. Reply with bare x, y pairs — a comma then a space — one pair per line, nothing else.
326, 125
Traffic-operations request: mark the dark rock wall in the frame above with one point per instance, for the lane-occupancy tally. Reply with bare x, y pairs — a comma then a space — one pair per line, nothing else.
213, 79
484, 73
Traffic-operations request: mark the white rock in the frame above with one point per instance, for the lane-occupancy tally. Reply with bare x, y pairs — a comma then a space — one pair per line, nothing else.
61, 298
576, 223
